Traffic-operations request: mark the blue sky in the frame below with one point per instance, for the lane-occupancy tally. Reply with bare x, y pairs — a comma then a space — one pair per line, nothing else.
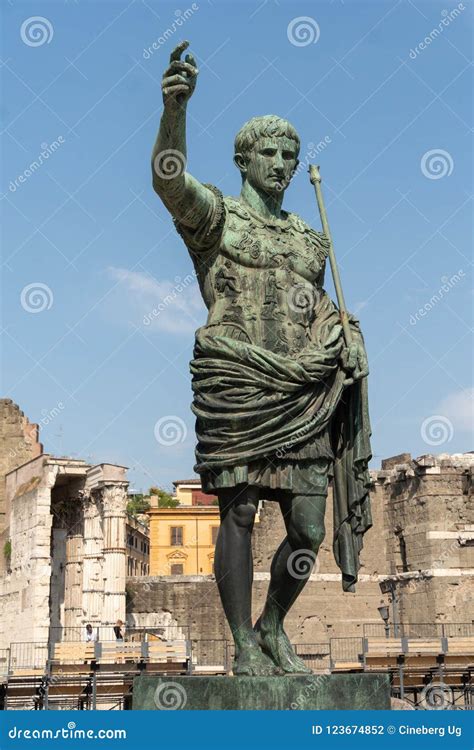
89, 251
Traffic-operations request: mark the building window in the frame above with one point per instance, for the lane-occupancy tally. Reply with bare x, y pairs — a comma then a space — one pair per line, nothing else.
176, 533
215, 531
177, 569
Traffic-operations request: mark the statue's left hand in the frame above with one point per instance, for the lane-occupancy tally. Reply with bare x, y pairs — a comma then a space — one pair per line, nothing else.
354, 362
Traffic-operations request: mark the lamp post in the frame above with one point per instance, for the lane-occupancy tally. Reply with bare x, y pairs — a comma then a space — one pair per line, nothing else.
384, 613
388, 586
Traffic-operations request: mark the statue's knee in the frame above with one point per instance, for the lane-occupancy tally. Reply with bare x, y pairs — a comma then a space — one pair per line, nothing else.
306, 537
244, 514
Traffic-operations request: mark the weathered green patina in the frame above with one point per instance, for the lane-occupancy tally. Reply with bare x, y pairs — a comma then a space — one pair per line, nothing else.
349, 692
280, 401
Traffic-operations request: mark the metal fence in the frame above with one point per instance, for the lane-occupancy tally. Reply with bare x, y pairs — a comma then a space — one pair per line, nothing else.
211, 655
419, 630
316, 656
185, 632
28, 656
106, 633
4, 659
347, 650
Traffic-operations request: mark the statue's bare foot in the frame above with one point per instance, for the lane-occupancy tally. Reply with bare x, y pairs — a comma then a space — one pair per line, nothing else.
253, 662
275, 642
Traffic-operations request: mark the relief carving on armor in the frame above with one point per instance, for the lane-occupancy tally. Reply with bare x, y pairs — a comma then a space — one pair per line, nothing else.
226, 281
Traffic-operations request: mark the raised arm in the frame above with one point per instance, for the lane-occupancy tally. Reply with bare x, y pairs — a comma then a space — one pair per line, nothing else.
184, 196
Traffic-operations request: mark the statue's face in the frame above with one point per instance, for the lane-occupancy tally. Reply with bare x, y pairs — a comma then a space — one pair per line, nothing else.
271, 164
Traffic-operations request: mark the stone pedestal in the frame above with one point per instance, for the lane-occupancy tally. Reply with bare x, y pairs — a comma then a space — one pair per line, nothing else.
292, 692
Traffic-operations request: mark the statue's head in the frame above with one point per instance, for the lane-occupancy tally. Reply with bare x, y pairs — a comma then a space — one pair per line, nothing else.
266, 153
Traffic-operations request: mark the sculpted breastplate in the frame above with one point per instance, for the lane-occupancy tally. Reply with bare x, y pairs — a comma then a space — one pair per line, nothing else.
266, 279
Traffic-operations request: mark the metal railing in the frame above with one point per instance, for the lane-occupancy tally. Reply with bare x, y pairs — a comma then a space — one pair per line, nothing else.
4, 660
419, 630
106, 633
316, 656
211, 655
26, 655
346, 650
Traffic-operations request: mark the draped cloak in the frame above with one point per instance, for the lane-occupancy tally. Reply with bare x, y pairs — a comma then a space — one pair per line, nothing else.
253, 403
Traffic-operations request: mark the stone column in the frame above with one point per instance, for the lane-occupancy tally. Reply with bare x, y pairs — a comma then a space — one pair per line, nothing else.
114, 503
73, 570
92, 566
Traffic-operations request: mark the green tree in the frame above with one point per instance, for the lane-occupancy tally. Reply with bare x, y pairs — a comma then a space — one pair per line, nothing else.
138, 504
165, 500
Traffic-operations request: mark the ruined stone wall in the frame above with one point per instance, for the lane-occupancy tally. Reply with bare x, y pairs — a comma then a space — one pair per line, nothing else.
429, 536
18, 444
270, 530
322, 611
66, 523
422, 521
25, 587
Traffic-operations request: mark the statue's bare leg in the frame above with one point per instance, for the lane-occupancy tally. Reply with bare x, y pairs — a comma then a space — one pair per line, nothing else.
233, 567
290, 570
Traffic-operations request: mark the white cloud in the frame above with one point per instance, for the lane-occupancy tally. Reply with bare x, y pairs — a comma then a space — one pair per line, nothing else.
458, 407
173, 306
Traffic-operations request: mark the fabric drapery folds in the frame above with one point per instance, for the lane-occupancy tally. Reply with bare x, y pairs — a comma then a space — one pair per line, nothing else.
249, 402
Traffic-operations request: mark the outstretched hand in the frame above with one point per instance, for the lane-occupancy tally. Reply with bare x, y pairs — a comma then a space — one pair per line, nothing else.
179, 79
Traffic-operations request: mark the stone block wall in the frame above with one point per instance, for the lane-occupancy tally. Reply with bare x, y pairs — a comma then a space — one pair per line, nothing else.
19, 442
422, 540
322, 611
429, 535
25, 588
66, 523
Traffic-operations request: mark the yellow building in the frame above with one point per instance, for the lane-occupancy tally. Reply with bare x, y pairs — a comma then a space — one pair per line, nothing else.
189, 492
182, 540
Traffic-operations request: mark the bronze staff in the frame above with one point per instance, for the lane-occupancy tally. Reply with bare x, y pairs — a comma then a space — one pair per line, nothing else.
315, 179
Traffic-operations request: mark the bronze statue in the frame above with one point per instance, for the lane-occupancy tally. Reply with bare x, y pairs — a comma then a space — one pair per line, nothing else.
280, 400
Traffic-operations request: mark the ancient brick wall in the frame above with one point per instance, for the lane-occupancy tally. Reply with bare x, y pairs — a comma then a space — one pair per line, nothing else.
18, 443
322, 611
422, 521
429, 536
